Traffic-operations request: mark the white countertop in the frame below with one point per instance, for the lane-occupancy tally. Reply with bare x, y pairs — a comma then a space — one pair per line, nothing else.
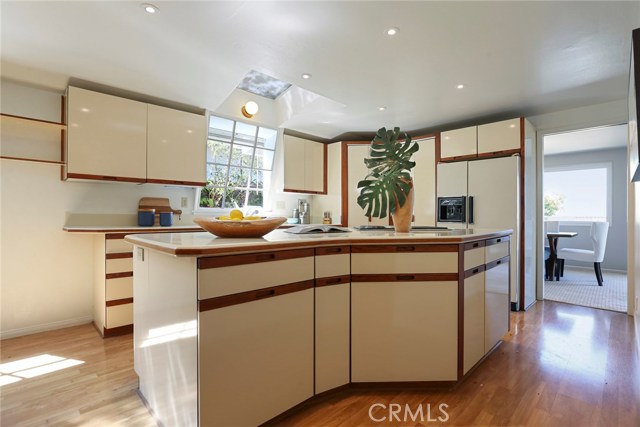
204, 243
121, 223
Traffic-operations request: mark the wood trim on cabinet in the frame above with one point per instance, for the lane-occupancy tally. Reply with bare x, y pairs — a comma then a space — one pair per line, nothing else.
105, 178
325, 169
176, 182
333, 280
458, 158
231, 260
60, 124
115, 236
501, 153
474, 245
119, 330
473, 271
255, 295
405, 277
490, 242
460, 344
400, 248
118, 255
492, 264
27, 159
333, 250
119, 275
115, 302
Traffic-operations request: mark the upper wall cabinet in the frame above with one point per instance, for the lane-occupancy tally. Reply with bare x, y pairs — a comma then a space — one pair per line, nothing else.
117, 139
499, 136
459, 144
106, 138
176, 151
304, 165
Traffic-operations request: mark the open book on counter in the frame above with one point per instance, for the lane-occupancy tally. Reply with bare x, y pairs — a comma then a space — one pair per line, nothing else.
317, 228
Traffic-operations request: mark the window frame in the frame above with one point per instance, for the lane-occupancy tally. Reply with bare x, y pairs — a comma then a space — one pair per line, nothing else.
608, 166
197, 209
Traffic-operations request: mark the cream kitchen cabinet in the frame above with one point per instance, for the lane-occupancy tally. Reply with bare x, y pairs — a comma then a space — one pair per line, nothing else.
304, 165
116, 139
404, 303
332, 317
500, 136
256, 336
424, 206
357, 171
176, 148
106, 137
496, 299
474, 305
459, 143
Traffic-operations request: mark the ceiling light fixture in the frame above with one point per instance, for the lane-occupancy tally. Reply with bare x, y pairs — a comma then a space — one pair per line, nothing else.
460, 86
150, 8
392, 31
382, 108
306, 76
249, 109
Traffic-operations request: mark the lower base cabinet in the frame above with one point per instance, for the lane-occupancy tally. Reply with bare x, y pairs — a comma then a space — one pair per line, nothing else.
255, 359
496, 320
474, 314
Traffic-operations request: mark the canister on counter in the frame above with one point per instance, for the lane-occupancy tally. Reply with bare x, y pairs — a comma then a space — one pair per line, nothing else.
166, 219
146, 217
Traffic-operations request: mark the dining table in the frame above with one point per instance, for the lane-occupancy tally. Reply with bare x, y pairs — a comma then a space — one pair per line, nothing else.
553, 237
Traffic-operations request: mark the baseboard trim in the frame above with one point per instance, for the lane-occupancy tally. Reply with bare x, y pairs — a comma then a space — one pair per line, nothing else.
13, 333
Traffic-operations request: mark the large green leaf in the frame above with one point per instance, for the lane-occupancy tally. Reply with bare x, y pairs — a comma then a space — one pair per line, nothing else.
389, 179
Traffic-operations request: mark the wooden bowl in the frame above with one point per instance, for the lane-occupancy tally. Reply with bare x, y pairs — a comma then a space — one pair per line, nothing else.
242, 228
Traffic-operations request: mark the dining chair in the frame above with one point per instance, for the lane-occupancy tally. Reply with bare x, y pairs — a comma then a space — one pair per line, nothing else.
550, 227
598, 235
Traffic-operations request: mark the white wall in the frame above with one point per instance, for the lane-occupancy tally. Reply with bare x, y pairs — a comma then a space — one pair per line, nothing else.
46, 273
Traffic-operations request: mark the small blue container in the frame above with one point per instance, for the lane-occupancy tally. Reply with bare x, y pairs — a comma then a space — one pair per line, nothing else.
166, 219
146, 217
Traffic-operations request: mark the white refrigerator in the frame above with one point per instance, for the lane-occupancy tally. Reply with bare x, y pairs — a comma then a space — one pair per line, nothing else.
492, 186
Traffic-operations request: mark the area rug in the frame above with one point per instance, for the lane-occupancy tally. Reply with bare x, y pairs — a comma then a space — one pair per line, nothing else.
580, 287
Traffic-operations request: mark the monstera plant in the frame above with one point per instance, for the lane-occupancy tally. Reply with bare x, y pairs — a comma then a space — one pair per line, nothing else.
388, 188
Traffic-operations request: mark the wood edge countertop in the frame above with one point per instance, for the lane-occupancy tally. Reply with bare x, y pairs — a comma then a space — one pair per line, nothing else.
206, 244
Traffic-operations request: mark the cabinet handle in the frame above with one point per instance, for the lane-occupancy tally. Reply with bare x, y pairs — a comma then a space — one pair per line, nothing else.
499, 262
265, 294
498, 240
475, 270
405, 249
333, 250
334, 280
265, 257
405, 277
475, 245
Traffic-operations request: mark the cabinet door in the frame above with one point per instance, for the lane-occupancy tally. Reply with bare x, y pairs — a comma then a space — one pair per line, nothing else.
107, 137
314, 154
459, 143
255, 359
474, 341
499, 136
357, 171
404, 331
496, 302
424, 182
294, 163
176, 147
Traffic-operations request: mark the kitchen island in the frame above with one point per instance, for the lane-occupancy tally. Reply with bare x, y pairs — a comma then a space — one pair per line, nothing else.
238, 331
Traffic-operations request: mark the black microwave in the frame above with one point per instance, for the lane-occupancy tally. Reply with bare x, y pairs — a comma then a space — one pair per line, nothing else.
452, 209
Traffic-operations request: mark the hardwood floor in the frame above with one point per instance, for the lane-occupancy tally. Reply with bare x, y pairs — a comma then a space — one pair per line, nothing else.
561, 366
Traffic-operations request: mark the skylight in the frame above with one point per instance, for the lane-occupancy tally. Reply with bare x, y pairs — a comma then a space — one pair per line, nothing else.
263, 85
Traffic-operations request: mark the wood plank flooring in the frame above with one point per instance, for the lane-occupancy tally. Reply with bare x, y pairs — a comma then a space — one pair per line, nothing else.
561, 366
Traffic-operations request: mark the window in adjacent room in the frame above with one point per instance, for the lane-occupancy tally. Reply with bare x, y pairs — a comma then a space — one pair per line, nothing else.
578, 193
239, 164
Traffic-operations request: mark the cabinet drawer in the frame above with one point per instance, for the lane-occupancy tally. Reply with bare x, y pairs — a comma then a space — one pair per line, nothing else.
215, 282
119, 288
473, 258
119, 315
118, 246
496, 251
389, 263
119, 265
333, 265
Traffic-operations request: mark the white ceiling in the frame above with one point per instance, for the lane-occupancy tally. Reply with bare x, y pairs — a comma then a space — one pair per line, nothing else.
515, 58
586, 140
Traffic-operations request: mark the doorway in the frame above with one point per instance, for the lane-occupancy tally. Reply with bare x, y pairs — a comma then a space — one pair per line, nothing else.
584, 181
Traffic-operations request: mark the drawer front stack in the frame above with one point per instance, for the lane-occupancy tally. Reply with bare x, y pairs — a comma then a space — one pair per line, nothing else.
115, 289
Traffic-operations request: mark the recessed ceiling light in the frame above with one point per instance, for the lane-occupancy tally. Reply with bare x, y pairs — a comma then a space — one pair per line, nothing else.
392, 31
382, 108
512, 126
306, 76
150, 8
460, 86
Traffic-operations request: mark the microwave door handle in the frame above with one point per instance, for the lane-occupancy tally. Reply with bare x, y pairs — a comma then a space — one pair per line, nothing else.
470, 209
